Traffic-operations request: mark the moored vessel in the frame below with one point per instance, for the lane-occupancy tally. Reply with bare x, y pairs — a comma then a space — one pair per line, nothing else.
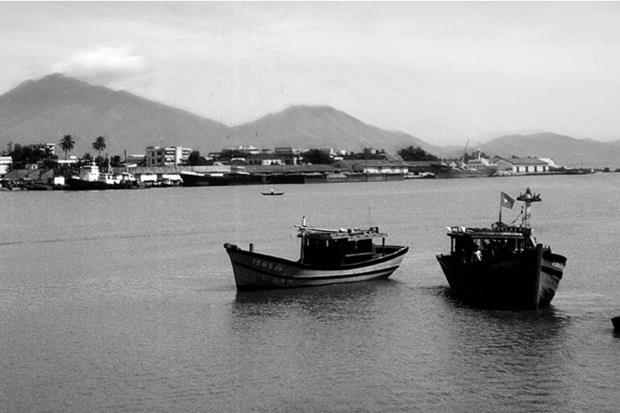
328, 256
91, 178
616, 323
503, 266
237, 176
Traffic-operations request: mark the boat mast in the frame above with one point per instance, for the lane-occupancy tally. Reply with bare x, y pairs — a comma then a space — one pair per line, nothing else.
527, 198
302, 228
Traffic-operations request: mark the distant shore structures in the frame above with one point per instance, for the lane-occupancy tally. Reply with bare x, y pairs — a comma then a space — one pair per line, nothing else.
165, 166
209, 175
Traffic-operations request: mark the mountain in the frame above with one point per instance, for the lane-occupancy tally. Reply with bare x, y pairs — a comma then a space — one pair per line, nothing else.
46, 109
323, 127
564, 150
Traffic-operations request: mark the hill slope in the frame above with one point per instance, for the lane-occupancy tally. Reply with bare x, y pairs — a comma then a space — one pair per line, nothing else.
46, 109
323, 127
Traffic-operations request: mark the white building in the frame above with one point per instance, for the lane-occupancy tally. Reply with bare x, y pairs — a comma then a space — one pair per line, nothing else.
518, 166
168, 156
5, 164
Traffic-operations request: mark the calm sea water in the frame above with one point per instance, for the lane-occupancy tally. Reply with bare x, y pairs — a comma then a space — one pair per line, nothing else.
125, 301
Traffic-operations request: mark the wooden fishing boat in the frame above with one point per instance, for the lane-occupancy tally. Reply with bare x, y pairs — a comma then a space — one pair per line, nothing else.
327, 256
502, 266
272, 193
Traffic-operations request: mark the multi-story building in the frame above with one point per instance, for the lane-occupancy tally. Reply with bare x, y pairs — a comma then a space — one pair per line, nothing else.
47, 148
289, 155
168, 156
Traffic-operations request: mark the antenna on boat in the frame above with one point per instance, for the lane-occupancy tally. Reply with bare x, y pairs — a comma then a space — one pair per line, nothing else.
527, 197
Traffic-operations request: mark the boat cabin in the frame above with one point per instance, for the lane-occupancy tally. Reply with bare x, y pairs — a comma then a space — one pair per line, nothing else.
338, 247
477, 244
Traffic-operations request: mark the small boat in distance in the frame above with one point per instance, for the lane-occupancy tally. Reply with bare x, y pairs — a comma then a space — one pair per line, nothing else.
328, 256
503, 266
272, 192
616, 323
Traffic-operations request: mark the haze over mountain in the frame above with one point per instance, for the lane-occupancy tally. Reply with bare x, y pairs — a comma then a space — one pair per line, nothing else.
46, 109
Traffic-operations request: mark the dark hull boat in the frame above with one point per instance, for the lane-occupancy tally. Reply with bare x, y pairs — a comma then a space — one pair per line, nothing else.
519, 280
218, 179
616, 323
502, 267
81, 185
272, 193
327, 257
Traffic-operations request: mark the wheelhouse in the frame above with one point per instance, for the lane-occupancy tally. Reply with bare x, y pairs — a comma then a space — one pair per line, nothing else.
337, 247
479, 243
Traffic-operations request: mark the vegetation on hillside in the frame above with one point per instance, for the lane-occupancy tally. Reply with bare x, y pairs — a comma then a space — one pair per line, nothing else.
416, 153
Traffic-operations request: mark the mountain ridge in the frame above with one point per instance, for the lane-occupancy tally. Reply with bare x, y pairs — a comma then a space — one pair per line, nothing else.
44, 110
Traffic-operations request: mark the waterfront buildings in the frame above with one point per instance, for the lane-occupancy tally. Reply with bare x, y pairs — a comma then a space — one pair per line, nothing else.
516, 165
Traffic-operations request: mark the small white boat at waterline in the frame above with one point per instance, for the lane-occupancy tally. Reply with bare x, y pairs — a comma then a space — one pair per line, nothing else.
328, 256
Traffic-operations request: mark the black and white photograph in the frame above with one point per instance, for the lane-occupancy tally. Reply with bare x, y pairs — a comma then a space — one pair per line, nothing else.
309, 206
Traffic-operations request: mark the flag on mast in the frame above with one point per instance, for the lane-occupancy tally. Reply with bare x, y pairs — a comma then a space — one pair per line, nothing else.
507, 200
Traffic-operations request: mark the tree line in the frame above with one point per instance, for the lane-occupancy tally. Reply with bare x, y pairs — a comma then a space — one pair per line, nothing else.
30, 154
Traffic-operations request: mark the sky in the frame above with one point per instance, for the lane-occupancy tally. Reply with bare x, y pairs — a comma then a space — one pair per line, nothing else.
445, 72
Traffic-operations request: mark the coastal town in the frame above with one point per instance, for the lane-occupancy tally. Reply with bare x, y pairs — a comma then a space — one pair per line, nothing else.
38, 166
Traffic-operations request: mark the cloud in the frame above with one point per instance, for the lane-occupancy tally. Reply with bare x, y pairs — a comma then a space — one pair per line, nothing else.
102, 64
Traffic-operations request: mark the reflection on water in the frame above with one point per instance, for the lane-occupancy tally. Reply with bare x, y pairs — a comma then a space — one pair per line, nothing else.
524, 354
325, 299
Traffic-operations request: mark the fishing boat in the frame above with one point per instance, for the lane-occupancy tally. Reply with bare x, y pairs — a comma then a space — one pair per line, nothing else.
271, 192
503, 266
328, 256
616, 323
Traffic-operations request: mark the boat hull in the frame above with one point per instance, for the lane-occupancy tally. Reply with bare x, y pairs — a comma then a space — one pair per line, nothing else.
224, 179
616, 323
82, 185
526, 280
255, 271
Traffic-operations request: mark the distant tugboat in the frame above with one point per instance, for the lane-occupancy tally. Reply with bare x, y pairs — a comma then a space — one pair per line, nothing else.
92, 179
502, 267
327, 257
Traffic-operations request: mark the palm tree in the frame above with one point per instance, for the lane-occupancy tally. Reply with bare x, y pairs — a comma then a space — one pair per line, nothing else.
99, 145
66, 144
